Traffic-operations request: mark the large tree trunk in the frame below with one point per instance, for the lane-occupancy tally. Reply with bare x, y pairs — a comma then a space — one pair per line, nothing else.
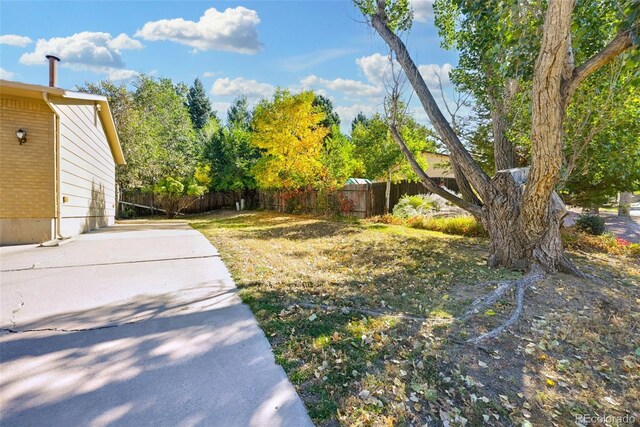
504, 153
387, 194
502, 217
624, 203
546, 120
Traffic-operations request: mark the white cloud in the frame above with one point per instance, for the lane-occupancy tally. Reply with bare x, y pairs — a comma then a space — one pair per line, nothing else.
86, 51
6, 74
221, 108
120, 74
241, 86
234, 30
15, 40
348, 87
422, 10
123, 41
430, 73
211, 73
375, 67
348, 112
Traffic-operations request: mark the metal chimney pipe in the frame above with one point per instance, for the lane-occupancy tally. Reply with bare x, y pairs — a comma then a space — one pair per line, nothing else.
53, 70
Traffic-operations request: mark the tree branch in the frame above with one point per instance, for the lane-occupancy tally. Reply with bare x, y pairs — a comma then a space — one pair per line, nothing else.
427, 181
615, 47
546, 118
459, 153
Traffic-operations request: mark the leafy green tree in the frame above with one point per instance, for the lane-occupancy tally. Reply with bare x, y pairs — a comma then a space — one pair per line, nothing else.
503, 89
288, 131
339, 159
169, 137
380, 155
506, 49
154, 129
199, 105
231, 153
173, 193
603, 138
239, 114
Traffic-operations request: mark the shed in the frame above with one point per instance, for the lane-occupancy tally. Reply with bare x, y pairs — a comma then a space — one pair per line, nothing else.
351, 181
439, 165
58, 180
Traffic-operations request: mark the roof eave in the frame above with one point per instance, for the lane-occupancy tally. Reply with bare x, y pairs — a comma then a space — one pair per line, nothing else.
35, 91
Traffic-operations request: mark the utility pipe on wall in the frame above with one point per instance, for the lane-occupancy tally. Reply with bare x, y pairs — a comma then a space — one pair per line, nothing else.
56, 156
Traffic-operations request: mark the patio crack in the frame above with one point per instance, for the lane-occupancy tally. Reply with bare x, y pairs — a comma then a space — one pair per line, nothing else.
17, 309
33, 267
95, 328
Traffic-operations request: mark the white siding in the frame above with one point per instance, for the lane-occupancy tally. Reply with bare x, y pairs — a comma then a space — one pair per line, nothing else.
87, 170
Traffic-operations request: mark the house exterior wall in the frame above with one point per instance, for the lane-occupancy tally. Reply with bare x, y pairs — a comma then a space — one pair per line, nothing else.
27, 186
87, 169
438, 166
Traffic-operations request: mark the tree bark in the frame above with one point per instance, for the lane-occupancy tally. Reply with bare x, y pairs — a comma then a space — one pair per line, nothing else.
387, 194
539, 223
624, 204
504, 153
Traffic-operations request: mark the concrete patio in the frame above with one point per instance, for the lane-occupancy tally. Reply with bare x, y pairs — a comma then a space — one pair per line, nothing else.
136, 324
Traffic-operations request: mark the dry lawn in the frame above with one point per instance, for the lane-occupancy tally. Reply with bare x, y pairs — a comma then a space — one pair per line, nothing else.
361, 317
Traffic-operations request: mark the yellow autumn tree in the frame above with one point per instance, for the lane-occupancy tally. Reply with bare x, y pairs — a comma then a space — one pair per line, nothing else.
288, 130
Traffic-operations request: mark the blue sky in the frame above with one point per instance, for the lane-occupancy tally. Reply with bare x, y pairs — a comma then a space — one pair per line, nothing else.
235, 48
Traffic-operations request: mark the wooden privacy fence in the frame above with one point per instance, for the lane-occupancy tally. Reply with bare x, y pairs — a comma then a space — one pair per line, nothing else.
138, 203
358, 200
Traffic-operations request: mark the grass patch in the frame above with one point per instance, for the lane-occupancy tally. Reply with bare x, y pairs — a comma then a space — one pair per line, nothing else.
459, 226
359, 362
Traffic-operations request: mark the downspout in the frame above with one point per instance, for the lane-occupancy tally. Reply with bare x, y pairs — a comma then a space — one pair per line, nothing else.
56, 137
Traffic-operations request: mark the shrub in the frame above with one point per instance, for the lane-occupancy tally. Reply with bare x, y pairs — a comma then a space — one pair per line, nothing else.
461, 226
607, 243
590, 223
412, 206
634, 250
127, 212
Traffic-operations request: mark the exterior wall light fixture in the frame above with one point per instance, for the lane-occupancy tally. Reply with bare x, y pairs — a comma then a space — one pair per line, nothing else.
21, 134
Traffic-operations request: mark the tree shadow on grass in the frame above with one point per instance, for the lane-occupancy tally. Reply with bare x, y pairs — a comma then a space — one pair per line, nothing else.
441, 371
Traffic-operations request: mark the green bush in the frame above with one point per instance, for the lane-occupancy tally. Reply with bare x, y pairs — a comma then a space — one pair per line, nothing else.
590, 223
461, 226
413, 206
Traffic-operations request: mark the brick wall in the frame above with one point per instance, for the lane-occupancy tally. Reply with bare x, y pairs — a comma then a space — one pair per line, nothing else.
26, 171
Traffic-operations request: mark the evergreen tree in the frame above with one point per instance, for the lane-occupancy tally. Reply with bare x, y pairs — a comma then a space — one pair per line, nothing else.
331, 118
239, 114
360, 118
199, 105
